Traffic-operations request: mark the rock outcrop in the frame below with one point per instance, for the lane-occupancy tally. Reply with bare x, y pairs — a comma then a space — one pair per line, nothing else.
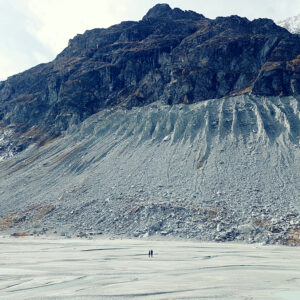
172, 56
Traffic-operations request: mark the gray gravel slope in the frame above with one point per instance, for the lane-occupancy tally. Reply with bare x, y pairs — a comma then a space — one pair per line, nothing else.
225, 169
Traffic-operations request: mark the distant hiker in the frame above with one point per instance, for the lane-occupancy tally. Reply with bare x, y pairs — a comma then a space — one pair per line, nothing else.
151, 253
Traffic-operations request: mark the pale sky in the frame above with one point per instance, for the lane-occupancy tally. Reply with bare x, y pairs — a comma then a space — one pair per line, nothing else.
35, 31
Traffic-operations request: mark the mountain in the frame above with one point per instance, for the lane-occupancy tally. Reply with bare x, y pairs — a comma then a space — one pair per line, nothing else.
291, 24
172, 56
176, 125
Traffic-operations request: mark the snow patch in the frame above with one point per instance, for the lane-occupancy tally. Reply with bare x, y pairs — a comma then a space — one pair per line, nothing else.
291, 24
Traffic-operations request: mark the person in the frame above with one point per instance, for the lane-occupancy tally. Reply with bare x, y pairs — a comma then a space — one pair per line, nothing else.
151, 253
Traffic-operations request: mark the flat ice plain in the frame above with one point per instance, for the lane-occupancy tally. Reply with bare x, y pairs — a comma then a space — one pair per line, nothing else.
39, 268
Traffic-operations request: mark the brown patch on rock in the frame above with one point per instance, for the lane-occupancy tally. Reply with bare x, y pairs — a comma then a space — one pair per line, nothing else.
18, 234
28, 215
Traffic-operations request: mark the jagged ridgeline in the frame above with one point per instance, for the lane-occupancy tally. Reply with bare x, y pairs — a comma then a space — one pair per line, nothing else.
175, 125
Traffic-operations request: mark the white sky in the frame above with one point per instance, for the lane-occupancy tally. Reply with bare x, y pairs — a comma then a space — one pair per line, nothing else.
35, 31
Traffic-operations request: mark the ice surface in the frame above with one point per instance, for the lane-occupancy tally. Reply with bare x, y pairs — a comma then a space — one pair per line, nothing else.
33, 268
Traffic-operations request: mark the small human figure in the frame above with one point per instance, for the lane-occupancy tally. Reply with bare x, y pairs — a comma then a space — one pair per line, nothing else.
151, 253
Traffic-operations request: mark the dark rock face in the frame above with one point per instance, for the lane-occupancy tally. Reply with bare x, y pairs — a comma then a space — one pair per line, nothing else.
170, 55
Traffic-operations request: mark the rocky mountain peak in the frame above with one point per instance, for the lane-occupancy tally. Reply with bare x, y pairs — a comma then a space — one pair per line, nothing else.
164, 11
159, 10
170, 56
